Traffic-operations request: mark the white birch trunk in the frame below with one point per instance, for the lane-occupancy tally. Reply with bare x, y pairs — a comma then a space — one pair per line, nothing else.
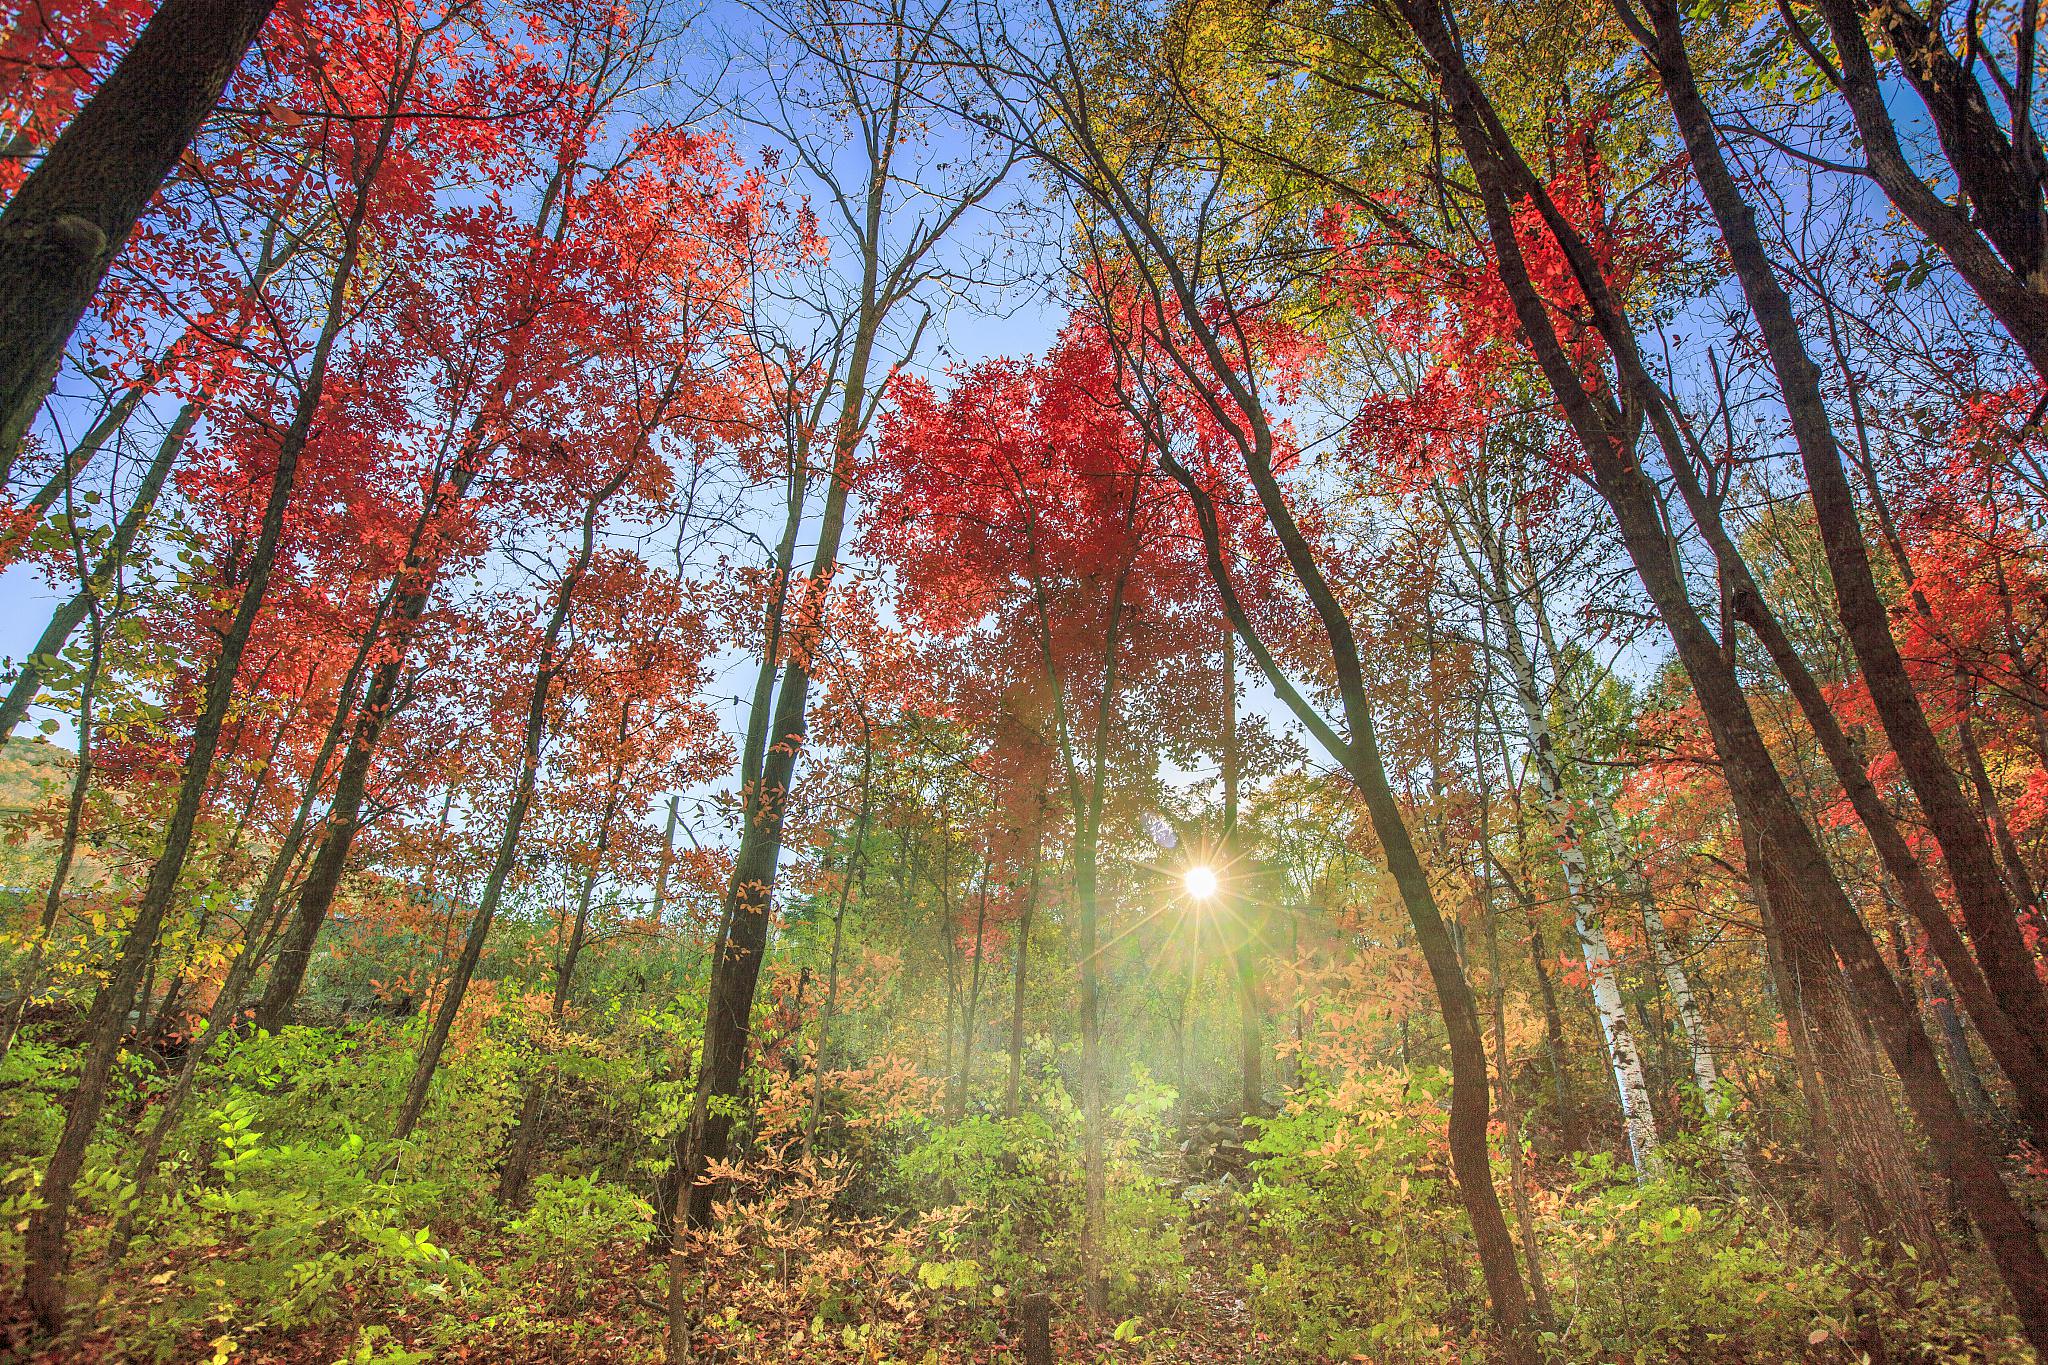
1617, 1035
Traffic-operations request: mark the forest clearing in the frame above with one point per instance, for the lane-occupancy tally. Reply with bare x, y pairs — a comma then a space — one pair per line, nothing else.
910, 682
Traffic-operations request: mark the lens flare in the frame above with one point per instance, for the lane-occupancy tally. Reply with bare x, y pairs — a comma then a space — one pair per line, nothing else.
1200, 882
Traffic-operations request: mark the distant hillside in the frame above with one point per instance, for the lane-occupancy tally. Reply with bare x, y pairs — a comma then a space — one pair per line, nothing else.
35, 775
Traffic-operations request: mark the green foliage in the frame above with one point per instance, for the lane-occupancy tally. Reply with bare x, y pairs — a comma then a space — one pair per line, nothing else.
1020, 1181
571, 1220
1365, 1246
1666, 1269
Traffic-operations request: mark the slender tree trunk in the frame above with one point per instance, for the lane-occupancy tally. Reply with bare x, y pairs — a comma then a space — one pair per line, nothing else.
1359, 754
736, 958
1013, 1094
1699, 1048
46, 1245
973, 988
1624, 1055
545, 669
856, 865
950, 955
668, 853
74, 462
1955, 1043
2019, 881
1094, 1172
1086, 797
72, 215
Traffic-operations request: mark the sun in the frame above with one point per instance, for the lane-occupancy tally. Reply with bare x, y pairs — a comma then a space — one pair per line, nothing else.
1200, 881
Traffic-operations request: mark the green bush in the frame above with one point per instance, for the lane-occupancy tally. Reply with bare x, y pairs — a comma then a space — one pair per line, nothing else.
1657, 1271
1362, 1245
571, 1220
1021, 1183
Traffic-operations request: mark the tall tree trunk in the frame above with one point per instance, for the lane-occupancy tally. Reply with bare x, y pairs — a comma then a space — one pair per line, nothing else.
1094, 1168
1087, 794
72, 215
1359, 754
769, 763
1966, 848
1753, 779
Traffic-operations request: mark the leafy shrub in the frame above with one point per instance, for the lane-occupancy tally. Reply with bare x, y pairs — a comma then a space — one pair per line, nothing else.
292, 1208
1666, 1269
1654, 1271
1363, 1244
1020, 1182
571, 1220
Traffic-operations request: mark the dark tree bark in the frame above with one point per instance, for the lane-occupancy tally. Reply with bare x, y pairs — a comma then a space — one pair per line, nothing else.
70, 218
410, 594
1510, 1104
1759, 792
1034, 1329
1987, 905
736, 959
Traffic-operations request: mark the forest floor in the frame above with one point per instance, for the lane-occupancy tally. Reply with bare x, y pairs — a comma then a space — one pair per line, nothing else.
620, 1323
